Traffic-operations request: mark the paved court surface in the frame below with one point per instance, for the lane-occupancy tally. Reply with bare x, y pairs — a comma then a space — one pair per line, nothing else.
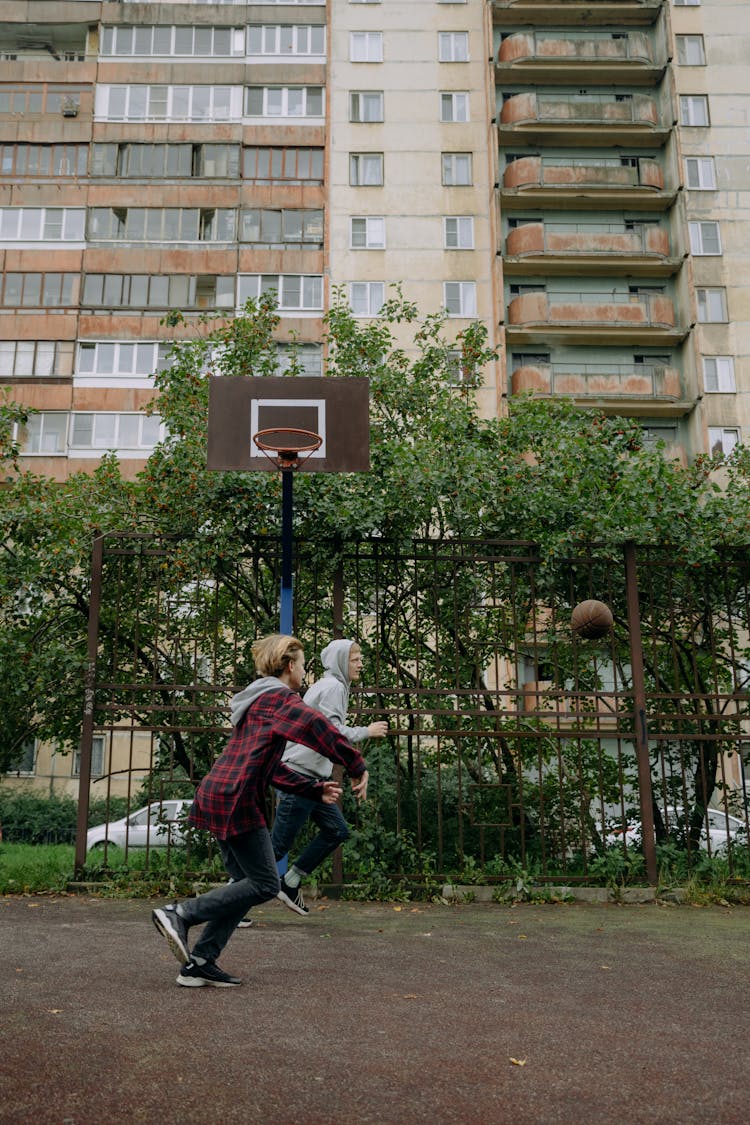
378, 1013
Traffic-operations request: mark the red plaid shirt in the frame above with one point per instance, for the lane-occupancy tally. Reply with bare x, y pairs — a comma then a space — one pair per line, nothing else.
231, 798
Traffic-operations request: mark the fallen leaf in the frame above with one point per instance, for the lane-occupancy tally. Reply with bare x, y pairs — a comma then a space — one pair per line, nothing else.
521, 937
53, 1011
518, 1062
397, 908
409, 996
33, 905
605, 967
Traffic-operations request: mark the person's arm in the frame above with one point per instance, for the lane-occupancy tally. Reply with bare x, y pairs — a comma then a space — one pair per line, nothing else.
333, 706
297, 722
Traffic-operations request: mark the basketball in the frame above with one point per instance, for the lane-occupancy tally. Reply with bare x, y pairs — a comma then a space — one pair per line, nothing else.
591, 619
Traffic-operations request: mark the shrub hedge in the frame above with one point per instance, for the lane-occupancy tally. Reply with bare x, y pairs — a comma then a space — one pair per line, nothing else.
33, 818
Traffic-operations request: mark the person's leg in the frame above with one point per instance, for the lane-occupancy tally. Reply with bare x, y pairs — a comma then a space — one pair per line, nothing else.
332, 831
235, 873
291, 814
221, 909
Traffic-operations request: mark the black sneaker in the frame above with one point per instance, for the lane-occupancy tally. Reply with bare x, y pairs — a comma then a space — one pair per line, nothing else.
245, 923
292, 897
206, 976
174, 928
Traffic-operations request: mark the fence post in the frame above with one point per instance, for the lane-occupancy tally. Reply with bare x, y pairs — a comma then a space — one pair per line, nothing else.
639, 714
337, 862
87, 727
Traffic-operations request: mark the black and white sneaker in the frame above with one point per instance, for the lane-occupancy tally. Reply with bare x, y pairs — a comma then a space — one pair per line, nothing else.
206, 976
292, 897
174, 928
245, 923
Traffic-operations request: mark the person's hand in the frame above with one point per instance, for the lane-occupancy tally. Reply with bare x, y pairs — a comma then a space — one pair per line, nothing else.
331, 792
359, 786
377, 730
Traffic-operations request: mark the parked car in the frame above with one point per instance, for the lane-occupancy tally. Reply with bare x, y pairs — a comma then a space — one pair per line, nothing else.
722, 829
154, 826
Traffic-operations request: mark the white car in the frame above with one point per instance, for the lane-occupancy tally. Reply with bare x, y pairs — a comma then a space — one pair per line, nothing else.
154, 826
722, 829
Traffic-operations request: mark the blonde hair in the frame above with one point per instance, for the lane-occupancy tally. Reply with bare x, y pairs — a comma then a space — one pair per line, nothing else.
273, 654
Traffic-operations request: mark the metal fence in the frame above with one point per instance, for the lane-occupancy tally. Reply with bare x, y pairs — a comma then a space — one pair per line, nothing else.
514, 745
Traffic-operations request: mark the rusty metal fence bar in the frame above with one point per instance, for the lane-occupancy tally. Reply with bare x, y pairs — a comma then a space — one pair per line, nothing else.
513, 745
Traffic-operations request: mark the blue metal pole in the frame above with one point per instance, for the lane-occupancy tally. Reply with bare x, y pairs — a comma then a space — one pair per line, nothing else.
287, 596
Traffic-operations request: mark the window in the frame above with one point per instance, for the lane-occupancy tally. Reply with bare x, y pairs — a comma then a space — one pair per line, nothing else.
117, 290
694, 109
460, 298
453, 46
38, 290
456, 169
44, 433
284, 101
700, 173
283, 165
114, 431
24, 764
295, 292
366, 169
718, 374
121, 358
271, 226
366, 46
458, 232
35, 358
687, 3
366, 297
454, 107
37, 99
367, 233
166, 161
43, 160
366, 105
42, 224
182, 41
722, 439
308, 358
162, 224
705, 238
286, 39
712, 305
690, 50
654, 434
97, 757
168, 103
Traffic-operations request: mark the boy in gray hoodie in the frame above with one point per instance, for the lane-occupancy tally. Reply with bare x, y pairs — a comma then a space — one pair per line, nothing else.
342, 665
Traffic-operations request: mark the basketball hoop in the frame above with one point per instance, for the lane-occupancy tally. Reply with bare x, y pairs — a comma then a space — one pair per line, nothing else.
286, 447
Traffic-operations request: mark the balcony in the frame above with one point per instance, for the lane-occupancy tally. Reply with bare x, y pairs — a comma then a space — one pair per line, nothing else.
576, 13
590, 249
548, 57
583, 182
636, 388
62, 42
588, 119
612, 317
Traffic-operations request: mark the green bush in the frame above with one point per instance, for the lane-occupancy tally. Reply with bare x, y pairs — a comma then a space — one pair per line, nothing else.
28, 817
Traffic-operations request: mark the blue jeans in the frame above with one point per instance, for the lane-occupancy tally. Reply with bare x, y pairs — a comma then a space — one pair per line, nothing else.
291, 814
250, 860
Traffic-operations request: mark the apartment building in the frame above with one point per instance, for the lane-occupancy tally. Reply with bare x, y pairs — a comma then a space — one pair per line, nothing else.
572, 172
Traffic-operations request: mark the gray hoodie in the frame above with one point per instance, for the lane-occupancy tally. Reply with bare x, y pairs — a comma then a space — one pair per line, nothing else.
240, 702
329, 695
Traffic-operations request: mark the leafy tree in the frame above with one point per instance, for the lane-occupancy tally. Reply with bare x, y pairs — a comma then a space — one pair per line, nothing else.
547, 474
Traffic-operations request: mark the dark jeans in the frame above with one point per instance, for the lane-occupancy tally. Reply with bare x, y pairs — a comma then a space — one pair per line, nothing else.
249, 859
291, 814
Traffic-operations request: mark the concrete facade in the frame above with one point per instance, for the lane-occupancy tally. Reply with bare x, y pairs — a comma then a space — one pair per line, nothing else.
573, 173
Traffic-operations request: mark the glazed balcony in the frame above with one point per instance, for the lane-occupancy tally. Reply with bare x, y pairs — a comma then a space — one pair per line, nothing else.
597, 58
604, 317
576, 13
580, 182
61, 42
587, 119
650, 389
588, 248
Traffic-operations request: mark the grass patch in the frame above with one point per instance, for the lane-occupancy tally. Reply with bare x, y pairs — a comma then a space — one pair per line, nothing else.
27, 868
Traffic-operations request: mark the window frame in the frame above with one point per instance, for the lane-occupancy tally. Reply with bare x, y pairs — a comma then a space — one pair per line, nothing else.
375, 293
357, 161
461, 221
355, 100
452, 161
688, 104
467, 299
701, 164
723, 374
704, 295
450, 40
371, 44
684, 44
718, 435
456, 104
372, 232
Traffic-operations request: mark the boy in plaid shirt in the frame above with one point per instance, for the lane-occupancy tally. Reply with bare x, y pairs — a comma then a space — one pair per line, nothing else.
231, 798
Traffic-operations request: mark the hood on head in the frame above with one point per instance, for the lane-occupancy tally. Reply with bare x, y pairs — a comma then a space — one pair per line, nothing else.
335, 658
240, 702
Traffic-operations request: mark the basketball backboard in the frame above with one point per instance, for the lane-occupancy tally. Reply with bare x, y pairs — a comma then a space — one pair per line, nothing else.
241, 406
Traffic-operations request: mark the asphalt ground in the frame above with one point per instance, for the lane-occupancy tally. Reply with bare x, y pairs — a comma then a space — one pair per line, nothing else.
379, 1013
